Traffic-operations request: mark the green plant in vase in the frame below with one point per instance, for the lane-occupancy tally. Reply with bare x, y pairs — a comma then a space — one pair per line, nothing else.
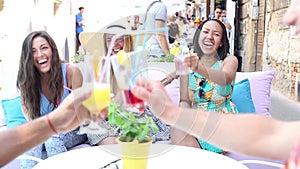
132, 125
134, 135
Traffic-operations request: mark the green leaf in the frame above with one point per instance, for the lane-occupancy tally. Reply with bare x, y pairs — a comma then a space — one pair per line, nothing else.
130, 124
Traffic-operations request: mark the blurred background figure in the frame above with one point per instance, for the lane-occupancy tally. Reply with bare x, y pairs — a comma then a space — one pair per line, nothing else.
79, 27
225, 20
157, 18
222, 17
173, 29
191, 31
136, 23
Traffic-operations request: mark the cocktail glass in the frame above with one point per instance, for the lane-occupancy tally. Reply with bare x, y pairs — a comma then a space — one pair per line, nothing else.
128, 67
96, 76
181, 67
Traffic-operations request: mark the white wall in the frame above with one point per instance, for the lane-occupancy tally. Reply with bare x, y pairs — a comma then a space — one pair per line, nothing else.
20, 18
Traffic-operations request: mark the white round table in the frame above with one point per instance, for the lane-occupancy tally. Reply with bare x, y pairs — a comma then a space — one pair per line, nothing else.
160, 156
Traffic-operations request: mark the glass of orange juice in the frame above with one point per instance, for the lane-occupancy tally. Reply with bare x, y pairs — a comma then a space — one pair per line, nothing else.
96, 77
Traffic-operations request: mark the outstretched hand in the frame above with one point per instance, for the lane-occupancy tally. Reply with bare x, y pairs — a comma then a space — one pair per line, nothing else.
156, 97
70, 113
192, 61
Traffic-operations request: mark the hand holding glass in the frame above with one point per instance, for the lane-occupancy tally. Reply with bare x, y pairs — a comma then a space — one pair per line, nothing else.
129, 66
96, 76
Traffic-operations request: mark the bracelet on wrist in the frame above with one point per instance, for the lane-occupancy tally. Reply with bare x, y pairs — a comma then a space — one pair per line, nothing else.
50, 124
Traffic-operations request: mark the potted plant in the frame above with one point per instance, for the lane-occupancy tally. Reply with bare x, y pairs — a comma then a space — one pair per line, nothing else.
134, 136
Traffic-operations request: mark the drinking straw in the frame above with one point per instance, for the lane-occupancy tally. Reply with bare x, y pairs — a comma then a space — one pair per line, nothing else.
107, 61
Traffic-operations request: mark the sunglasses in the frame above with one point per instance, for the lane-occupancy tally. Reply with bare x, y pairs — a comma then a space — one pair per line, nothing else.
202, 83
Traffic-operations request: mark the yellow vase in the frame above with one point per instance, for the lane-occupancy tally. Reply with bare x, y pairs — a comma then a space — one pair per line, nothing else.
135, 154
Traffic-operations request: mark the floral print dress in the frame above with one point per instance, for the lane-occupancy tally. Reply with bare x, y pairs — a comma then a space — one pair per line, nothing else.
206, 95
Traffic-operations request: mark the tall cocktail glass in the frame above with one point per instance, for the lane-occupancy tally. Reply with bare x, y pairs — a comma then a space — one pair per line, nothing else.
128, 67
96, 76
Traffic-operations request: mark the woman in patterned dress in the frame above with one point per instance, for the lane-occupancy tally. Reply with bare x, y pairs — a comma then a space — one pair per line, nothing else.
209, 85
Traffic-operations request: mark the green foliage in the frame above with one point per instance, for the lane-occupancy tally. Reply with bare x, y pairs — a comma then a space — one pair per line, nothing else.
77, 58
167, 58
132, 125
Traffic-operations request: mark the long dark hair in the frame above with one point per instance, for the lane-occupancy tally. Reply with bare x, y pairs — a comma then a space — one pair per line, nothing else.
222, 50
28, 79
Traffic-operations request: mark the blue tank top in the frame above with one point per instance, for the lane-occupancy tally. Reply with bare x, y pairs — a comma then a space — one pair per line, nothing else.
46, 107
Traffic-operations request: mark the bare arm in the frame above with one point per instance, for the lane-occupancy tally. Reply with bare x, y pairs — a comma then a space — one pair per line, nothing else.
249, 134
161, 37
227, 25
22, 138
222, 77
74, 77
28, 135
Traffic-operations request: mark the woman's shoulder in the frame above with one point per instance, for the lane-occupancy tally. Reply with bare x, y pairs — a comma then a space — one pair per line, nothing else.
230, 56
231, 59
71, 67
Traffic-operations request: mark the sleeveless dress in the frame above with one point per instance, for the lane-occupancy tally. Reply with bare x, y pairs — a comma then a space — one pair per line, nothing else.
58, 143
206, 95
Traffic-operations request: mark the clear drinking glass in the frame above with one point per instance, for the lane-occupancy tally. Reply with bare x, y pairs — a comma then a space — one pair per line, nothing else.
96, 76
128, 67
180, 51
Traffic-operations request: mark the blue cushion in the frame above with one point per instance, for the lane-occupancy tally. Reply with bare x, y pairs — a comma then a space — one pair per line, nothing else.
13, 112
241, 97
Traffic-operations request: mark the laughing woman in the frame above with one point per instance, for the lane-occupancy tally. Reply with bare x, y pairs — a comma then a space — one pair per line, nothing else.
209, 86
44, 82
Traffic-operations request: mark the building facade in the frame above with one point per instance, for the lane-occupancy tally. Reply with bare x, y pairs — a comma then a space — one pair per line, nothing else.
18, 18
265, 42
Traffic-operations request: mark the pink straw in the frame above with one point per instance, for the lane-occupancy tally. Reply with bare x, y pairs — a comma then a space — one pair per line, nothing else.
107, 62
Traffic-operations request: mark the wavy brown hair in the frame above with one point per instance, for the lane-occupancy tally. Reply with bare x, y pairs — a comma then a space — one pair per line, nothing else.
28, 79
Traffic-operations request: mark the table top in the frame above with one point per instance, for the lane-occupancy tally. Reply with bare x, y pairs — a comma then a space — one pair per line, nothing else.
160, 156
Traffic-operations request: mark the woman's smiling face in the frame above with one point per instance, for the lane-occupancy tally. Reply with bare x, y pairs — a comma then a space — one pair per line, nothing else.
210, 38
118, 44
42, 54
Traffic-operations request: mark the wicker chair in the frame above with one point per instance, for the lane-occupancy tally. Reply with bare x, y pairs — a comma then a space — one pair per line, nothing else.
92, 43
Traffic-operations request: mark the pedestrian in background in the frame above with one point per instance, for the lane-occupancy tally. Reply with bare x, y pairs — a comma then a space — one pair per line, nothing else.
157, 18
218, 15
224, 19
79, 27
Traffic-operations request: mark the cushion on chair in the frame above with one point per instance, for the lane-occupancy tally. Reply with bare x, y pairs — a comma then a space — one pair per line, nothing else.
260, 85
13, 112
241, 97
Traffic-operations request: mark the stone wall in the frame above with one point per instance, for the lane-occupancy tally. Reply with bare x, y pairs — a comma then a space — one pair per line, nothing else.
247, 36
281, 50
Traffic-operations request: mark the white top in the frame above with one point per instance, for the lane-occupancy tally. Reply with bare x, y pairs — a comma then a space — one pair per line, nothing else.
157, 12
